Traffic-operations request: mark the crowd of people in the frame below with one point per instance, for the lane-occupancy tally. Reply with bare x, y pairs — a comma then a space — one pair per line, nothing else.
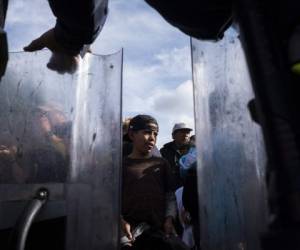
159, 188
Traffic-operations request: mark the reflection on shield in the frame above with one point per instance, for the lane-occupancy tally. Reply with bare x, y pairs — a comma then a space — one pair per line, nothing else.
231, 156
62, 133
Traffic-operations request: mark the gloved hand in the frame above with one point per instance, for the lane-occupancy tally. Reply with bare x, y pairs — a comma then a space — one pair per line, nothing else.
60, 61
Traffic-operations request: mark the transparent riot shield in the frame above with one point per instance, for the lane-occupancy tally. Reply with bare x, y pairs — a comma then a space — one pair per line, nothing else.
231, 157
62, 133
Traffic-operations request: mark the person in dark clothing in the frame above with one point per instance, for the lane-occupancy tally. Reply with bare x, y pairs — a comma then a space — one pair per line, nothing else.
78, 23
202, 19
148, 199
173, 151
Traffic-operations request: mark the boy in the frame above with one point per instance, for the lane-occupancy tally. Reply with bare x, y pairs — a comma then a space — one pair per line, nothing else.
148, 201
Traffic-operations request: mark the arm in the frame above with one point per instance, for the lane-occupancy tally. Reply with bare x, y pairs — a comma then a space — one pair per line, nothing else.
9, 168
126, 229
203, 19
171, 205
171, 212
78, 23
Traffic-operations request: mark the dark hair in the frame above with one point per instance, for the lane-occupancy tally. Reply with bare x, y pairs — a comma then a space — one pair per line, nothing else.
140, 122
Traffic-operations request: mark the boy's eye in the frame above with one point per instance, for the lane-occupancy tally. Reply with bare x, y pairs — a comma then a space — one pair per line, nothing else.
149, 132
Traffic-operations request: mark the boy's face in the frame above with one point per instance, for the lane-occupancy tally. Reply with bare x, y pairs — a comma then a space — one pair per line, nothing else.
144, 140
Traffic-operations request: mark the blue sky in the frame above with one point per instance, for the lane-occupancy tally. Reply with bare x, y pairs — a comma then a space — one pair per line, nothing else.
157, 67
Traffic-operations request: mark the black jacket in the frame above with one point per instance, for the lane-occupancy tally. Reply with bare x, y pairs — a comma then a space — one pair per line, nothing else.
78, 22
172, 154
203, 19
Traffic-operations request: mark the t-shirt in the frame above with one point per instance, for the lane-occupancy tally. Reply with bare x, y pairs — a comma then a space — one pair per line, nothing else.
145, 185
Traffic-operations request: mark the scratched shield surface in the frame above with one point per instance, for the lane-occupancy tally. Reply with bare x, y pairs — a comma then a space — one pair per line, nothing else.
63, 132
231, 157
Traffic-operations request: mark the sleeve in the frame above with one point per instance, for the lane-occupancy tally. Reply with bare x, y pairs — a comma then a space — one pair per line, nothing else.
171, 205
169, 180
78, 22
202, 19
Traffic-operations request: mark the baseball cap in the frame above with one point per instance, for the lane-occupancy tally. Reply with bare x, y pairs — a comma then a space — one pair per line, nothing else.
140, 122
179, 126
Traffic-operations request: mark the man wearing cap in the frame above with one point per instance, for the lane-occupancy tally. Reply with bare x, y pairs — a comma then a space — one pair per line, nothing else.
172, 151
148, 199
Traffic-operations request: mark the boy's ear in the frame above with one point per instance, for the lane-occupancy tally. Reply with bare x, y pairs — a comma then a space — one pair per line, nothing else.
131, 134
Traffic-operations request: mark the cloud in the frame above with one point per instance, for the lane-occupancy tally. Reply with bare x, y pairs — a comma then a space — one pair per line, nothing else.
177, 101
161, 87
157, 65
138, 28
172, 106
27, 20
168, 68
168, 106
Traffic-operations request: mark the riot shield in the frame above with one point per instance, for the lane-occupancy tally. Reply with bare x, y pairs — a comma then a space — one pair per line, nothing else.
62, 133
231, 157
3, 38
